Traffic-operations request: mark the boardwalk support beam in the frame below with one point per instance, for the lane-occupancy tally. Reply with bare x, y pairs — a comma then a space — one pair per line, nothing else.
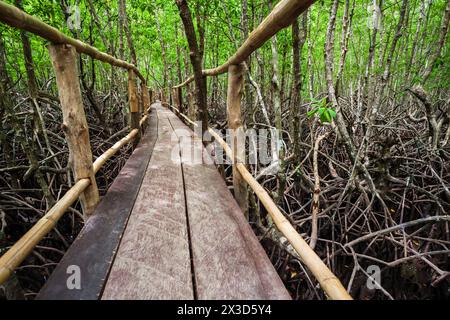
151, 96
176, 98
64, 60
162, 96
135, 115
235, 123
146, 98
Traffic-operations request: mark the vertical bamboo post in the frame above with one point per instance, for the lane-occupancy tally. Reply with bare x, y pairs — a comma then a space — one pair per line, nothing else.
135, 116
161, 94
172, 97
191, 107
180, 99
151, 96
235, 123
64, 60
146, 97
176, 99
140, 95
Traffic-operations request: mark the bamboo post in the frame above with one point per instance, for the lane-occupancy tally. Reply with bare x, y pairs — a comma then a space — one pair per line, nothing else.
151, 95
234, 96
146, 98
192, 114
180, 99
162, 96
134, 106
176, 99
75, 126
140, 95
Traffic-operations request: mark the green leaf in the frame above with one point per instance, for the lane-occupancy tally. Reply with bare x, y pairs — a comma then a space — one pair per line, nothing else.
325, 117
332, 113
311, 113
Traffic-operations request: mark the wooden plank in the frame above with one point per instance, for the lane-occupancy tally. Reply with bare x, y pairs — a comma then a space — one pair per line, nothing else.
95, 247
153, 260
228, 260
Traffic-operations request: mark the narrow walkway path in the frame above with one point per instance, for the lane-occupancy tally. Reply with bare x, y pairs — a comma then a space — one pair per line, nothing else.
185, 238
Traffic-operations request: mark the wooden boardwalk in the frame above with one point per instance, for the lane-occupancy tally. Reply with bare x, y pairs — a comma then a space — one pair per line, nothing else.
168, 228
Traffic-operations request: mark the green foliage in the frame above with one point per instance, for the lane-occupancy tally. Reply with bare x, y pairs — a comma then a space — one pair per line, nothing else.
323, 110
219, 45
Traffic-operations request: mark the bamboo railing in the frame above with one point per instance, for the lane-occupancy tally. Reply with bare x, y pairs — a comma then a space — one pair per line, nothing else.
281, 16
16, 18
63, 50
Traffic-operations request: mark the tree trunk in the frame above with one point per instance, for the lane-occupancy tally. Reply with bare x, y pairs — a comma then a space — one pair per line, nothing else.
163, 53
276, 91
298, 41
196, 61
126, 28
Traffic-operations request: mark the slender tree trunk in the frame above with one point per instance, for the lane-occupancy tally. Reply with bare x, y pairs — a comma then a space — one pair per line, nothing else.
163, 52
180, 77
126, 28
96, 20
120, 27
346, 28
440, 44
298, 41
196, 61
276, 91
28, 144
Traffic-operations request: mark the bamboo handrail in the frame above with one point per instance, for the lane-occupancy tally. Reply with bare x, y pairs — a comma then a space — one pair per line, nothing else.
327, 280
17, 18
22, 248
282, 15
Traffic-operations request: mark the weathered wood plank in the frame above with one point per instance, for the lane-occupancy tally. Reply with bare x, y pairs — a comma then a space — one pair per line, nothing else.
153, 260
228, 260
95, 247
